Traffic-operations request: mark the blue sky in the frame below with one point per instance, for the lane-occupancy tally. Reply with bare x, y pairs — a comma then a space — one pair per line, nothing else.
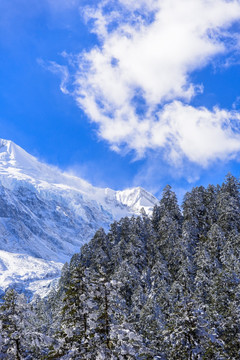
124, 93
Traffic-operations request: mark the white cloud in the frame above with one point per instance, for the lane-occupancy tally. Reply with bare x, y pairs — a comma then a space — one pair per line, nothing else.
140, 4
148, 60
197, 133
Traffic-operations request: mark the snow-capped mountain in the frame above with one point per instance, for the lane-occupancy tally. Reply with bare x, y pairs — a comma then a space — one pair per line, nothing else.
47, 215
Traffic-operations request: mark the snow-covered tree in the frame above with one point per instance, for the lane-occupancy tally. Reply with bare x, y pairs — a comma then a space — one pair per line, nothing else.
152, 288
75, 329
188, 335
19, 337
228, 205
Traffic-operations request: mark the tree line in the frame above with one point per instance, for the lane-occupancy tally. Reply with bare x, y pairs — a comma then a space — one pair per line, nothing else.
160, 287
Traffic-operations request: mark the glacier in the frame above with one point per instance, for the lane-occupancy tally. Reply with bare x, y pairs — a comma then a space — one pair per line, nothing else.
46, 215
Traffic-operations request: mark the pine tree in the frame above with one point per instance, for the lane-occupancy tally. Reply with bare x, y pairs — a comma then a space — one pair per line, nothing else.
169, 228
188, 334
228, 205
228, 295
165, 287
20, 338
74, 334
11, 326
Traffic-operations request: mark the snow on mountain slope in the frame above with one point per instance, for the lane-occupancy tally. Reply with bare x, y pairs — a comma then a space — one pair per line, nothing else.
17, 167
136, 199
36, 274
47, 214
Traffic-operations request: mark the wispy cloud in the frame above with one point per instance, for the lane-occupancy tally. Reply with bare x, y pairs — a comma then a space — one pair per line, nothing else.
60, 70
136, 84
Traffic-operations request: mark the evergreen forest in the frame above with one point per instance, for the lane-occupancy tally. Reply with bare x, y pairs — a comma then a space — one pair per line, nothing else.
165, 286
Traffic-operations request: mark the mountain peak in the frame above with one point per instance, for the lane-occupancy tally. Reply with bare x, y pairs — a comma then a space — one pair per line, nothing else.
16, 164
9, 146
6, 147
48, 214
4, 142
13, 155
137, 198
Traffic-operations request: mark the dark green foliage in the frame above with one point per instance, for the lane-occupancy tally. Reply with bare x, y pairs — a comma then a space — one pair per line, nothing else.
160, 287
20, 337
228, 205
188, 333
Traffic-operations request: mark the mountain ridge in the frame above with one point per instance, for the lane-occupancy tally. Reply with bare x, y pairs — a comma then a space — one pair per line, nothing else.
48, 214
18, 164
